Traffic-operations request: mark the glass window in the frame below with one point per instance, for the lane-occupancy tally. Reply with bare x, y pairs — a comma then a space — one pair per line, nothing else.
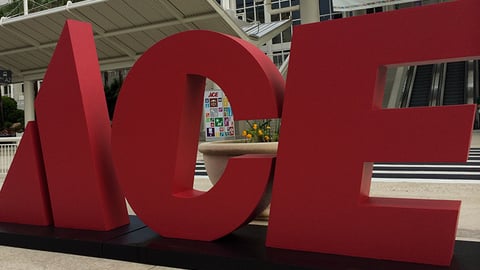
287, 35
284, 4
325, 7
279, 57
326, 11
325, 18
296, 14
250, 15
285, 15
277, 39
261, 14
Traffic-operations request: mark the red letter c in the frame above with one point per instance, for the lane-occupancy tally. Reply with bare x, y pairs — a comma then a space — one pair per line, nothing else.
156, 127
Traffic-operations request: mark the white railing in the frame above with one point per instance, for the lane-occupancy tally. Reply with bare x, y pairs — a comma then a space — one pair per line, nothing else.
8, 148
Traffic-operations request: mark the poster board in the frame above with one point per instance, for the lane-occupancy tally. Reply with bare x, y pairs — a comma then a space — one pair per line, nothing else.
218, 116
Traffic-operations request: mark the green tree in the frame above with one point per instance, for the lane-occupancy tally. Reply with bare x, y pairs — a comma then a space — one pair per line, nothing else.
12, 9
111, 95
11, 114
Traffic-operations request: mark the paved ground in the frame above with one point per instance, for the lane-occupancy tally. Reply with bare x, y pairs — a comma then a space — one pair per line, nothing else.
469, 225
469, 194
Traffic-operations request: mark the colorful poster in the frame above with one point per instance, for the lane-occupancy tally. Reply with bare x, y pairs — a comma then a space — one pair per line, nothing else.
218, 117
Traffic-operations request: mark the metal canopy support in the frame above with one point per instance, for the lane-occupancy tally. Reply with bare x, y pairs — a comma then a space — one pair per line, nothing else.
228, 19
100, 32
176, 13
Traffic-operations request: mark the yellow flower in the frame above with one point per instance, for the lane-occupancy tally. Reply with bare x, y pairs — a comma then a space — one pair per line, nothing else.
249, 136
260, 131
244, 133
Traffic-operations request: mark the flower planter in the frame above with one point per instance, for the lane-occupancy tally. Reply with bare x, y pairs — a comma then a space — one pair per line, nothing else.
216, 155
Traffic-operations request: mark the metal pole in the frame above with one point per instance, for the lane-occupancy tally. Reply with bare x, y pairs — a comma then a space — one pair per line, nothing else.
29, 98
25, 7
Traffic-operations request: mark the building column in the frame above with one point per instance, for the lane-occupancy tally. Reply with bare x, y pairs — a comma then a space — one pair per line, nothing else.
229, 5
29, 97
309, 11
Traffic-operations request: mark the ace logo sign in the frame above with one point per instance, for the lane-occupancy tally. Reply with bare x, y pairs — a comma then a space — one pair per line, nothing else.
79, 176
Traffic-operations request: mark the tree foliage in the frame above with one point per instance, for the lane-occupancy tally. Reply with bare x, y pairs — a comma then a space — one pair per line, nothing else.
111, 95
11, 114
16, 6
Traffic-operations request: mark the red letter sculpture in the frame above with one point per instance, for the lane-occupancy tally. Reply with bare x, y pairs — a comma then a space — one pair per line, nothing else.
163, 94
24, 196
321, 197
74, 133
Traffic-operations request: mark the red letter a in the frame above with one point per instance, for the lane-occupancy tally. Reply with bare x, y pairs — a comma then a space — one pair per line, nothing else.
24, 197
74, 133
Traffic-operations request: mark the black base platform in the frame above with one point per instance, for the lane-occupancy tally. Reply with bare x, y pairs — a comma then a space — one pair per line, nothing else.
243, 249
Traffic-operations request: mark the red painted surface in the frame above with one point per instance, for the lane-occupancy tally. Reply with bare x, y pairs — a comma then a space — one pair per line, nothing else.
321, 197
74, 132
163, 94
321, 189
24, 195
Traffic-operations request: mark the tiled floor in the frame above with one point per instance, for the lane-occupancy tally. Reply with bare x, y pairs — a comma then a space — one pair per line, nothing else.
469, 227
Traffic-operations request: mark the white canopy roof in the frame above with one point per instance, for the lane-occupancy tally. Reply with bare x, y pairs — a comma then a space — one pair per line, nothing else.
123, 30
